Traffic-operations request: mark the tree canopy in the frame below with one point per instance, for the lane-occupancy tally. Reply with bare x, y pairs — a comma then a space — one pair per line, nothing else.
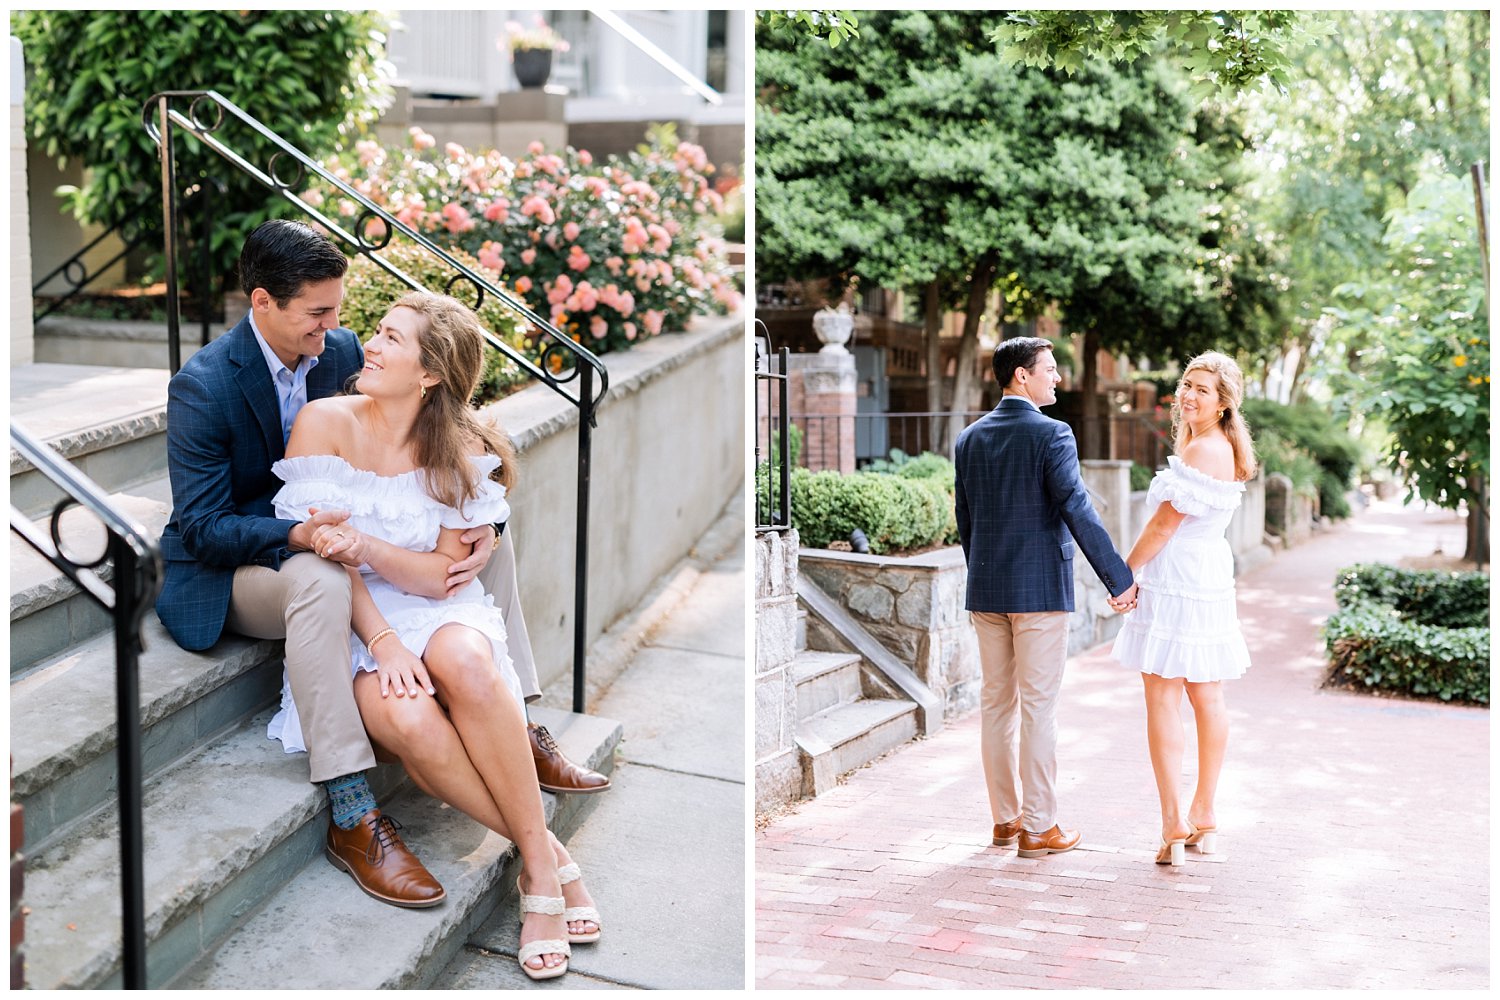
919, 160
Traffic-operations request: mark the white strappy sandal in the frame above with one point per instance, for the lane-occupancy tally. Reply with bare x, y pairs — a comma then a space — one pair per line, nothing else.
570, 872
550, 905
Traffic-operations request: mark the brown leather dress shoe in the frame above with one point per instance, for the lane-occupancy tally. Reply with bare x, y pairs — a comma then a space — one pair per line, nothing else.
373, 854
1006, 834
1054, 841
556, 773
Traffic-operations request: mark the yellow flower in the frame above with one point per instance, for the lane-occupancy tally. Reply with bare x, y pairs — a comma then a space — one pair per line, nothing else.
1459, 360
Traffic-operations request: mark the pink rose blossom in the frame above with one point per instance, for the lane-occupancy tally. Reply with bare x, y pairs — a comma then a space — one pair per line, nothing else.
537, 208
489, 256
643, 284
536, 148
629, 331
454, 151
577, 259
570, 231
497, 210
456, 218
420, 139
528, 256
598, 327
523, 284
653, 321
585, 157
614, 264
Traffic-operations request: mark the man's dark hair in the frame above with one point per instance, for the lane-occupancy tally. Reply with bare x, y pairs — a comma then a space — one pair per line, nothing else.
282, 256
1018, 352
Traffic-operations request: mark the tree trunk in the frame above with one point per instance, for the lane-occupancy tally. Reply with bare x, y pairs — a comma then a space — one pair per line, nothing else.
1089, 442
1477, 545
965, 383
932, 330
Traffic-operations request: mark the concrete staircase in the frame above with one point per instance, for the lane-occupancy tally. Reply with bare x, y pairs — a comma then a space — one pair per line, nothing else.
848, 711
238, 894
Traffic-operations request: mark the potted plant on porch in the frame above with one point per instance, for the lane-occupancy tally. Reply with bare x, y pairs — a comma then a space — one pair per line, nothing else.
531, 50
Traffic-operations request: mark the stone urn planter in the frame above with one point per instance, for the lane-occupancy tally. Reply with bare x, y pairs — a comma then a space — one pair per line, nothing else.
834, 328
532, 66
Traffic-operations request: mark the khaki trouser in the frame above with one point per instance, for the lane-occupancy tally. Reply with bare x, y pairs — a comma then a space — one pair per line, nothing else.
307, 603
1022, 658
498, 578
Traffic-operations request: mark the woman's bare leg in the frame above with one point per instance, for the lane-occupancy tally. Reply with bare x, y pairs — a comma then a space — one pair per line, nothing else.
1164, 737
1212, 721
419, 733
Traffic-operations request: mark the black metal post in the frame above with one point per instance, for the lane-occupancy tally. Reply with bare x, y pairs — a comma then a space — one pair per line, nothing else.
128, 702
786, 442
169, 234
205, 255
581, 568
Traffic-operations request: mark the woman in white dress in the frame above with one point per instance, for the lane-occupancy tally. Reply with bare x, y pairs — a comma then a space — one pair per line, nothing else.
404, 455
1185, 632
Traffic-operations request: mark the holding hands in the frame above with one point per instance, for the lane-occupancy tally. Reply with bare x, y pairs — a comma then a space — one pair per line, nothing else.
1126, 600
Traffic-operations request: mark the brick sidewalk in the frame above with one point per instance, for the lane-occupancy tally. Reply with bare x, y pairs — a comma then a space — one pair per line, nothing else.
1354, 849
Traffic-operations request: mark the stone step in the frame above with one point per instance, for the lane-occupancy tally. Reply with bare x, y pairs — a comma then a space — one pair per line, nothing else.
801, 629
824, 681
48, 612
317, 915
62, 718
837, 741
109, 422
111, 342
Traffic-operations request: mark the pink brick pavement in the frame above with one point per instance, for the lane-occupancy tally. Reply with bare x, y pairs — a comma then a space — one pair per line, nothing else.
1354, 849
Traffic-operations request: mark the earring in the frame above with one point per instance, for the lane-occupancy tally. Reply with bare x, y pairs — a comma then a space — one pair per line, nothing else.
424, 394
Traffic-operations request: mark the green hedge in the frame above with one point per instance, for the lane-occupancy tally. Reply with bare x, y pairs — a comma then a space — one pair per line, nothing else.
1417, 632
903, 503
1305, 442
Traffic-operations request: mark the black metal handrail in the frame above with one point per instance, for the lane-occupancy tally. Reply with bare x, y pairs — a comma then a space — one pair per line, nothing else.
135, 228
574, 360
772, 514
134, 582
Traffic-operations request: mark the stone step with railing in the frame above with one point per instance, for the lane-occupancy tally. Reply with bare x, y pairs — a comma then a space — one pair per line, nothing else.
73, 340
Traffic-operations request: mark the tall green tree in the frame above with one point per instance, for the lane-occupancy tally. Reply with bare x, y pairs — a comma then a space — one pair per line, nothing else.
919, 160
1385, 98
311, 76
1426, 370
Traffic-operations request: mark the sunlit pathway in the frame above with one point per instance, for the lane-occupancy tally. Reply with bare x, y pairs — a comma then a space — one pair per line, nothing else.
1354, 849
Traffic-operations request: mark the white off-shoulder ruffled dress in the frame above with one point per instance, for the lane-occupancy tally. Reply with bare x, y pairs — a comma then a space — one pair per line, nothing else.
398, 510
1185, 623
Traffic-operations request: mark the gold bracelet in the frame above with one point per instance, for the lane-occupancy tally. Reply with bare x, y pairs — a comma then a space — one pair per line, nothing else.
378, 636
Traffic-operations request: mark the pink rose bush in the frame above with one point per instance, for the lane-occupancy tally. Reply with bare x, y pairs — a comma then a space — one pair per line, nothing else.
609, 252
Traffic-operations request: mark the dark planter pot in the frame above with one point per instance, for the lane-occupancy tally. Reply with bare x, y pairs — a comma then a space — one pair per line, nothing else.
532, 66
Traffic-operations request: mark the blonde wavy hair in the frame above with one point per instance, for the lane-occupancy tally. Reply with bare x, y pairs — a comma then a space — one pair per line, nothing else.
1231, 421
452, 351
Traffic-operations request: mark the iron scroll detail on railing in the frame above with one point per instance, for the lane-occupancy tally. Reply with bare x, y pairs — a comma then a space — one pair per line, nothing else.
158, 117
287, 168
134, 582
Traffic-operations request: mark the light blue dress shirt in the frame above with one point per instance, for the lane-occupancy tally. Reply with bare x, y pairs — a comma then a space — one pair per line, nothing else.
291, 386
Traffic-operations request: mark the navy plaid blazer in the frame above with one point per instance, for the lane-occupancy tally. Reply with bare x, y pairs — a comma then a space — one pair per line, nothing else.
1019, 498
223, 434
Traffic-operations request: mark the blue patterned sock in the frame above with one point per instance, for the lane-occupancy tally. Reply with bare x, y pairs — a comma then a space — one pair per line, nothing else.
350, 798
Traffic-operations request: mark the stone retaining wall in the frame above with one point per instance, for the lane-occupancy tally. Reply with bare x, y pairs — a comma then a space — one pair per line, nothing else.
667, 455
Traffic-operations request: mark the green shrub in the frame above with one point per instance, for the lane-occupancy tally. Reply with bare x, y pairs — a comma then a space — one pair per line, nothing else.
895, 513
369, 292
1431, 597
311, 76
1412, 631
1140, 477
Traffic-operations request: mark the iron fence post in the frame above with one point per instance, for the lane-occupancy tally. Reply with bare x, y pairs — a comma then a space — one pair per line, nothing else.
169, 227
580, 570
128, 702
786, 442
205, 256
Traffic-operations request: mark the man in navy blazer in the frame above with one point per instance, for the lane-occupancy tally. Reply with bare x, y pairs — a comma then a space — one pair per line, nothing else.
1021, 507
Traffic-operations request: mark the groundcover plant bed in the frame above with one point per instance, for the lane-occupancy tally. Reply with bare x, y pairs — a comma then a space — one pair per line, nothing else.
1416, 632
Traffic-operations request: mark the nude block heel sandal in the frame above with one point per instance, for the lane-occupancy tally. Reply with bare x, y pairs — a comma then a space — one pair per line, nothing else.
549, 905
570, 872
